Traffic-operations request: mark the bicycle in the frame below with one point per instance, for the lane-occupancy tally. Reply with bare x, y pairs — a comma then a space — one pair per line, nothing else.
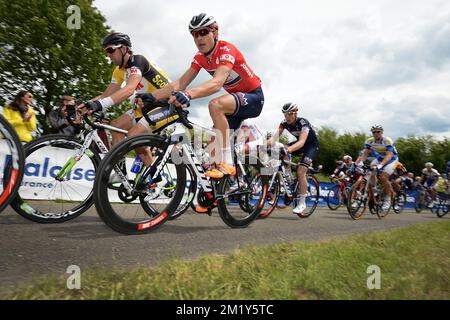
284, 185
12, 162
175, 148
363, 195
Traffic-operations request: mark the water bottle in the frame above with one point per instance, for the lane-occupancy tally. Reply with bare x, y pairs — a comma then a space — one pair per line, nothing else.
137, 165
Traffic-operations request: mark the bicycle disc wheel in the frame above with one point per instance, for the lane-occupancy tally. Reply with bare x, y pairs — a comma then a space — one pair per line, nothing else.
334, 198
238, 207
312, 197
46, 197
12, 159
130, 217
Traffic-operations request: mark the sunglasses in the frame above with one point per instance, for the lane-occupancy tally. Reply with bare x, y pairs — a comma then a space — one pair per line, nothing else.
376, 131
290, 113
111, 50
202, 33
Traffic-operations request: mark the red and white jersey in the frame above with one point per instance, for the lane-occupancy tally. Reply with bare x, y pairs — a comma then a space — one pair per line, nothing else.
241, 78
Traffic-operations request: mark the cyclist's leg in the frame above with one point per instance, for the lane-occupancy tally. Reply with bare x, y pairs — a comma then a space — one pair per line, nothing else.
219, 108
140, 128
305, 162
388, 170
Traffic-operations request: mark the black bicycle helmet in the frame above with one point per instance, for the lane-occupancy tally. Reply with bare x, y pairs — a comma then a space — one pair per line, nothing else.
116, 38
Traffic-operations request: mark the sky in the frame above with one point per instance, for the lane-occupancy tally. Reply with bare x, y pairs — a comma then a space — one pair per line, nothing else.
348, 64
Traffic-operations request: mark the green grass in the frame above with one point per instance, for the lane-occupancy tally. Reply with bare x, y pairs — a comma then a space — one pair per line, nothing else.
414, 262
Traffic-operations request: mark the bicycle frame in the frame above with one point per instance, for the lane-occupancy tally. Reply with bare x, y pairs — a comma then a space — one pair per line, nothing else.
92, 136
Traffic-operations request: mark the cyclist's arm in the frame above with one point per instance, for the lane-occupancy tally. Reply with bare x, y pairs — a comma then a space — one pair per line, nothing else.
211, 86
125, 92
300, 143
275, 137
178, 85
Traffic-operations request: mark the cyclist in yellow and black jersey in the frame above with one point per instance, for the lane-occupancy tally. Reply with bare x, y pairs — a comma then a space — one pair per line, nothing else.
133, 74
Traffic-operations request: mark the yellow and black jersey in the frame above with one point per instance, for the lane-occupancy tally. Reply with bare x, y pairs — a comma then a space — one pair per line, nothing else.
153, 77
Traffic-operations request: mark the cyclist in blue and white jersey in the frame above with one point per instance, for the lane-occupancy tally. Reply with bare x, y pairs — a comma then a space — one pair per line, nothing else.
385, 159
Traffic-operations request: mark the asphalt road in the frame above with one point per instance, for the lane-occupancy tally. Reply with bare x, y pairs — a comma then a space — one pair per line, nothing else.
33, 250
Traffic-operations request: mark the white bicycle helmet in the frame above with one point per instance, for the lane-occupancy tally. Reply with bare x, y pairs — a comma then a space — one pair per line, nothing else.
289, 107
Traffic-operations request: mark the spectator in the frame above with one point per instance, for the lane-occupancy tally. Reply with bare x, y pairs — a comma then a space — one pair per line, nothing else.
21, 115
57, 118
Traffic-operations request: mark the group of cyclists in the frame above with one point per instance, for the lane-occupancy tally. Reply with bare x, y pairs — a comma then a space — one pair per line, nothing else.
244, 97
393, 174
136, 77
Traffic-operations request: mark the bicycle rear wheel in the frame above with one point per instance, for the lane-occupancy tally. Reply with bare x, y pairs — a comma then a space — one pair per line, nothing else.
129, 217
12, 159
46, 198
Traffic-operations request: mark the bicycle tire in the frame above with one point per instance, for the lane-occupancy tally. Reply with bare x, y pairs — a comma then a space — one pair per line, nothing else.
107, 210
14, 169
273, 195
358, 197
312, 197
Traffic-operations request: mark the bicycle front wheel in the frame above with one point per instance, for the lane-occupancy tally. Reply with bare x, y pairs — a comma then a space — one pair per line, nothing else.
120, 204
56, 187
12, 159
357, 201
272, 197
312, 197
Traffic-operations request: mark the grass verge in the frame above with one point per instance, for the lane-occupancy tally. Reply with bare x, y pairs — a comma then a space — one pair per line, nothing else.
414, 264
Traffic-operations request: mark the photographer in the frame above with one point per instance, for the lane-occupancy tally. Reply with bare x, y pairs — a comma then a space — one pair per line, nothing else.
57, 118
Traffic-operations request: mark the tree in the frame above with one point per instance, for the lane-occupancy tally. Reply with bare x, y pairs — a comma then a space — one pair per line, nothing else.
329, 149
46, 46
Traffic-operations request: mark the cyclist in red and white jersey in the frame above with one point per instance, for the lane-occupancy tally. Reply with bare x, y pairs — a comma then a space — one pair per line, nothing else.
227, 66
